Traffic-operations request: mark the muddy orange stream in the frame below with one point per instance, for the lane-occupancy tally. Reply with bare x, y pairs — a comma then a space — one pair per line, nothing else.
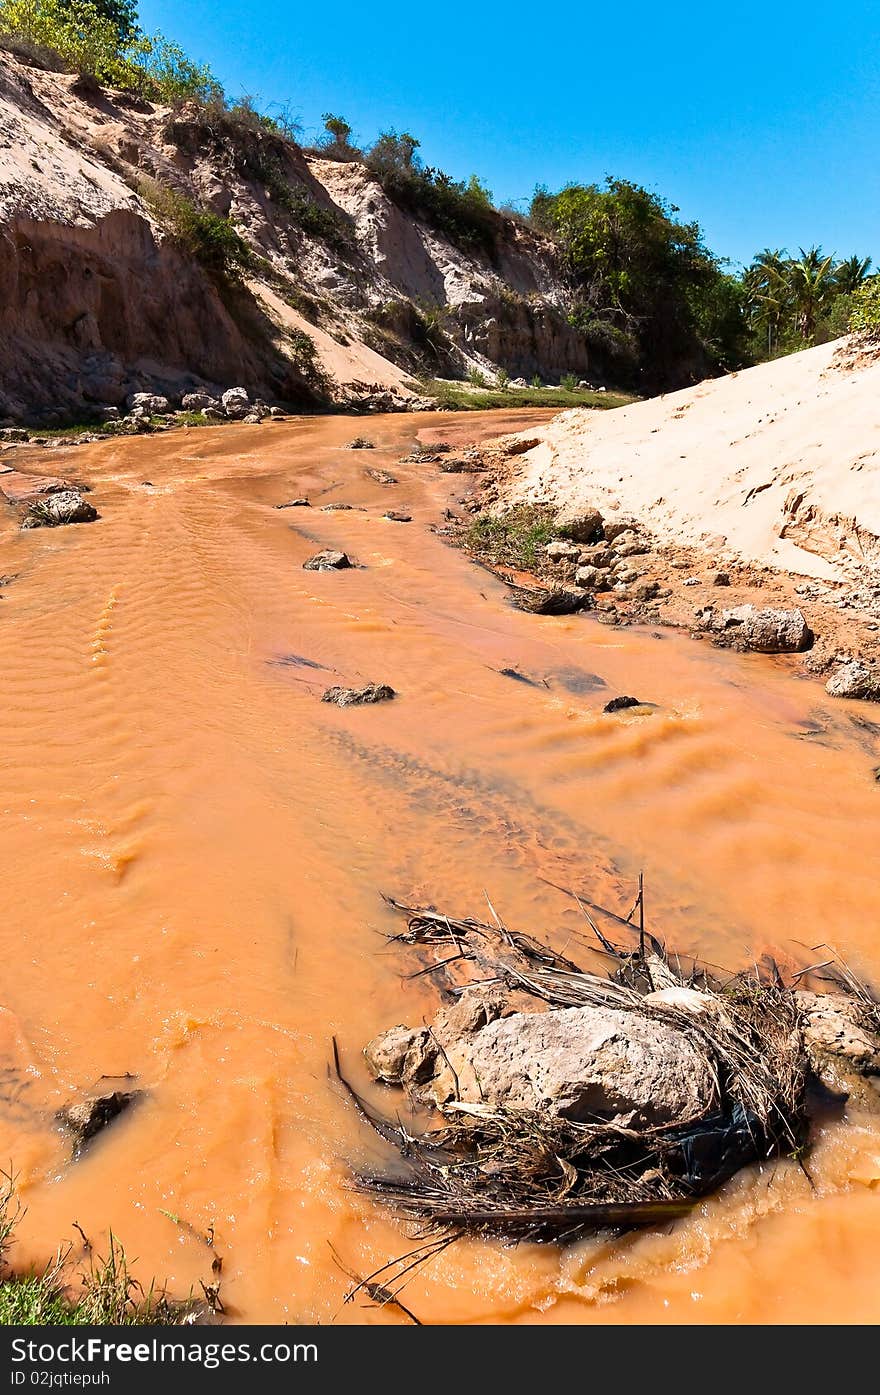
194, 850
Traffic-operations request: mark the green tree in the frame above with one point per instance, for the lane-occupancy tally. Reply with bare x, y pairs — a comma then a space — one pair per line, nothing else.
810, 282
122, 14
337, 128
851, 273
395, 153
651, 298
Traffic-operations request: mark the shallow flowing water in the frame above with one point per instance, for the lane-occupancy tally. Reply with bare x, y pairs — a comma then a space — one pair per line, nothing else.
194, 850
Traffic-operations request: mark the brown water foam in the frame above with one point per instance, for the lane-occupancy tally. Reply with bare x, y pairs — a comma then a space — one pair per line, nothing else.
194, 851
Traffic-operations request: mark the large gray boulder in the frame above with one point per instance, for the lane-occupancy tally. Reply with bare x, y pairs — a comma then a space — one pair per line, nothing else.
585, 1064
149, 403
840, 1034
767, 631
236, 403
199, 402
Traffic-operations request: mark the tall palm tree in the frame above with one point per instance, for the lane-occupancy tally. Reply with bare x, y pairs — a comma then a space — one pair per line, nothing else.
851, 273
810, 281
767, 292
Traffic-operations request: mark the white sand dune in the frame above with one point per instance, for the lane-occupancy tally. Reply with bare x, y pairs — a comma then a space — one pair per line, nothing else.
778, 464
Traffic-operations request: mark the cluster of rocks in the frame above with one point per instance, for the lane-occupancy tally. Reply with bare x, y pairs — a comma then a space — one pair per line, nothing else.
142, 410
379, 399
598, 556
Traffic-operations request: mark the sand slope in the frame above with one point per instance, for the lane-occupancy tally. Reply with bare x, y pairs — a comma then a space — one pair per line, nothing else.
778, 464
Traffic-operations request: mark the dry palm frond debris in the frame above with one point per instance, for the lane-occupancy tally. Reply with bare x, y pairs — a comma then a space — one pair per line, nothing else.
597, 1159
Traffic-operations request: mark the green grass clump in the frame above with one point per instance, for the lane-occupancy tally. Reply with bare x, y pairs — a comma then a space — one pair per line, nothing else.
514, 539
104, 1294
463, 397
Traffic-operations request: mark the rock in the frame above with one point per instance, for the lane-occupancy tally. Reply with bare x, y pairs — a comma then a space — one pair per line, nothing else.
619, 703
839, 1034
199, 402
718, 579
327, 561
107, 414
597, 557
632, 547
585, 1063
13, 434
590, 576
295, 504
236, 403
386, 1054
337, 508
356, 697
614, 529
581, 525
214, 414
361, 443
149, 404
768, 631
252, 419
89, 1117
854, 680
518, 383
561, 550
645, 591
380, 476
67, 506
397, 516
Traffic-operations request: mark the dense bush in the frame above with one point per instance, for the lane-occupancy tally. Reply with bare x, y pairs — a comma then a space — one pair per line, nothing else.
652, 301
210, 238
462, 211
865, 306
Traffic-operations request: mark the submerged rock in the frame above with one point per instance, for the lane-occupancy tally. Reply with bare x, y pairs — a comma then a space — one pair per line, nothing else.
67, 506
618, 704
380, 476
327, 561
361, 443
397, 516
89, 1117
295, 504
353, 697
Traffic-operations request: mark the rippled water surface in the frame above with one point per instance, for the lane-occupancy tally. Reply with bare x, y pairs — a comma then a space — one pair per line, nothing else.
194, 850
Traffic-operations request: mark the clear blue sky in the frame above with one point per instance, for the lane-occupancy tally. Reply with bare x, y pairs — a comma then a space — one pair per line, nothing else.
758, 120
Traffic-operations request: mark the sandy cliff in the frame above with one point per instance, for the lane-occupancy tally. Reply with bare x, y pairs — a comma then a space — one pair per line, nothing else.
97, 300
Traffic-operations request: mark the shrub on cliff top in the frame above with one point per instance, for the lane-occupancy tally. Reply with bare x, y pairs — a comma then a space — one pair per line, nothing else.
100, 38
